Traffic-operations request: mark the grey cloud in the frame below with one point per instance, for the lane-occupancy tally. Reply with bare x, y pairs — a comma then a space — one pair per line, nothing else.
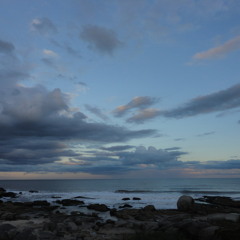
43, 26
72, 51
205, 134
6, 47
218, 101
68, 48
50, 62
144, 115
152, 156
118, 148
102, 39
137, 102
96, 111
228, 164
34, 115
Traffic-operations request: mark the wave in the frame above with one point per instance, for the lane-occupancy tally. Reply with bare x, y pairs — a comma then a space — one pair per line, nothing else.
208, 192
184, 191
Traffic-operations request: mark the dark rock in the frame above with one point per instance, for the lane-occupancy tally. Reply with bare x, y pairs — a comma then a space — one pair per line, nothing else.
126, 199
149, 208
8, 194
185, 203
125, 206
98, 207
2, 190
4, 230
33, 191
26, 234
69, 202
41, 203
222, 201
136, 198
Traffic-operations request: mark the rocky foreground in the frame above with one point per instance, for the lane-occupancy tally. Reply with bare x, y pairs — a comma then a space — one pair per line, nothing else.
208, 218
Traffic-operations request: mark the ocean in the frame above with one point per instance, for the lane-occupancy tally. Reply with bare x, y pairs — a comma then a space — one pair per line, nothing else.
162, 193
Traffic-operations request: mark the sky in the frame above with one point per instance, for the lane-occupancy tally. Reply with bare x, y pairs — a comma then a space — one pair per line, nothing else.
119, 88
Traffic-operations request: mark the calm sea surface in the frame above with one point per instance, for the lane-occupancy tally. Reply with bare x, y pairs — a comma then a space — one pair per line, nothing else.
162, 193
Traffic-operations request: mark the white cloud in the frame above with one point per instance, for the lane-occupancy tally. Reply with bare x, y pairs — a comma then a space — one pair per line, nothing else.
50, 53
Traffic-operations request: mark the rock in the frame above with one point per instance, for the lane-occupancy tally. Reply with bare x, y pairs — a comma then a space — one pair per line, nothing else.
71, 227
69, 202
208, 233
126, 199
8, 194
185, 203
4, 230
98, 207
125, 206
2, 190
41, 203
218, 217
136, 198
149, 208
55, 197
33, 191
26, 234
221, 201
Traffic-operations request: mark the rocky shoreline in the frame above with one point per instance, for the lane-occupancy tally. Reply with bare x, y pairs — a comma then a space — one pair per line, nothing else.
207, 218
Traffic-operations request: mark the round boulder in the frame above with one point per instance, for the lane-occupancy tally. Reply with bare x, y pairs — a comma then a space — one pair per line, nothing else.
185, 203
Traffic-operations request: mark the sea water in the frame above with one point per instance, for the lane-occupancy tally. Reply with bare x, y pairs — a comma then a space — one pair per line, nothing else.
162, 193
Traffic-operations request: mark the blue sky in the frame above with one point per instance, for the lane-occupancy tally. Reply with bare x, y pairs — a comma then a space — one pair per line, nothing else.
120, 88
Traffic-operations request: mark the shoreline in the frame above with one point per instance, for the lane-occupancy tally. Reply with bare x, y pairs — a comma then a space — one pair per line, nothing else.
207, 218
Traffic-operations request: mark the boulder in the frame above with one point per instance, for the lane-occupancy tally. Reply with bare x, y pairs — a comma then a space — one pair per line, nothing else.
185, 203
98, 207
126, 199
136, 198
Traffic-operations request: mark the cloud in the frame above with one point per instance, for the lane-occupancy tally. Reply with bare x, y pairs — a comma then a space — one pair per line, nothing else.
96, 111
6, 47
101, 39
50, 53
220, 51
205, 134
39, 127
152, 157
43, 26
144, 115
215, 102
137, 102
117, 148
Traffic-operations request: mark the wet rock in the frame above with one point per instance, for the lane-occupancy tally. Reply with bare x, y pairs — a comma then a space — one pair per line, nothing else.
222, 201
41, 203
98, 207
69, 202
185, 203
126, 199
2, 190
8, 194
136, 198
33, 191
125, 206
